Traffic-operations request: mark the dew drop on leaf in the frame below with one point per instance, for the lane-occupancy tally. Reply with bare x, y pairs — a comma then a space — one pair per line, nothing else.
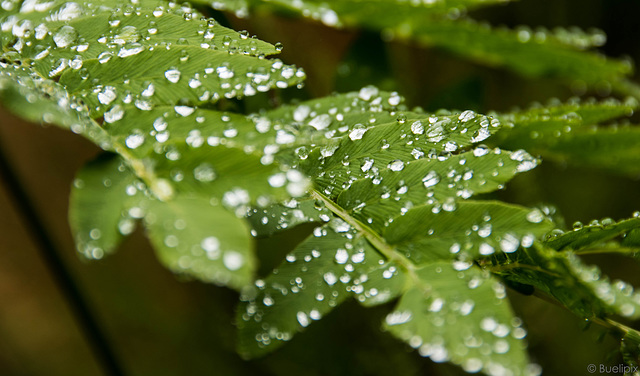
367, 92
330, 278
396, 165
204, 173
417, 127
320, 122
65, 36
535, 216
173, 75
357, 133
114, 114
233, 260
431, 179
302, 319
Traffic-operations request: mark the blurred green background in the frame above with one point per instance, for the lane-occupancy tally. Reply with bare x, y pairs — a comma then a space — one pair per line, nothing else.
159, 324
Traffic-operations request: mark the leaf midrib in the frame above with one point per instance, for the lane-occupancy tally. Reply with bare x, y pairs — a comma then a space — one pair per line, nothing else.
377, 241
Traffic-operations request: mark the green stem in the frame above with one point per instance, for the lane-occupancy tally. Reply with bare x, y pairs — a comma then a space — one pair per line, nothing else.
605, 251
373, 237
517, 265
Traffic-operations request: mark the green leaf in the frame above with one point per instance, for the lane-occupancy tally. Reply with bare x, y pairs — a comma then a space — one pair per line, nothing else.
203, 151
582, 289
593, 235
146, 55
192, 236
289, 214
563, 54
529, 53
44, 101
391, 144
467, 230
431, 181
618, 296
360, 12
568, 133
554, 116
630, 349
323, 271
104, 205
612, 148
461, 317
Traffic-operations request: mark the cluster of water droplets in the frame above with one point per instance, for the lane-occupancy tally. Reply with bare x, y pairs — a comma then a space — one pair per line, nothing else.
53, 104
322, 272
97, 242
563, 120
267, 221
618, 295
484, 330
129, 31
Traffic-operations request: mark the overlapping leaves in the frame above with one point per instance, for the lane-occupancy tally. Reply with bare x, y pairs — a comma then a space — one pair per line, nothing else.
562, 54
571, 133
129, 76
381, 173
393, 188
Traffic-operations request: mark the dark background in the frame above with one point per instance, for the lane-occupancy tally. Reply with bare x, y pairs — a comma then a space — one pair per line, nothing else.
159, 324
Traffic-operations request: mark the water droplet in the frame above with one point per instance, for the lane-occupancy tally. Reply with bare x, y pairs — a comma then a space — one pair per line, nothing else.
233, 260
436, 305
485, 230
210, 244
134, 140
330, 278
462, 265
431, 179
342, 256
367, 92
173, 75
320, 122
466, 116
450, 146
204, 173
449, 204
394, 99
396, 165
481, 135
535, 216
107, 95
398, 317
114, 114
509, 243
65, 36
184, 110
357, 132
301, 113
329, 17
417, 127
486, 249
303, 319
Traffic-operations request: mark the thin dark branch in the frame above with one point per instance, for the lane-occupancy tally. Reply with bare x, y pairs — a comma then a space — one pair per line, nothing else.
51, 255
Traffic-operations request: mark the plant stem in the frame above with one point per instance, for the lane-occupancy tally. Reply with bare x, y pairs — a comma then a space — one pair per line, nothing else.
374, 238
61, 274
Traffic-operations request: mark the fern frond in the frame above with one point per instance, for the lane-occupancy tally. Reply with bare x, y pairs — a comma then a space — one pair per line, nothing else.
561, 54
129, 76
394, 217
570, 133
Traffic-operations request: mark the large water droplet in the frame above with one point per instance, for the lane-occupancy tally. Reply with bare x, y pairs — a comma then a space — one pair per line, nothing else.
173, 75
65, 36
